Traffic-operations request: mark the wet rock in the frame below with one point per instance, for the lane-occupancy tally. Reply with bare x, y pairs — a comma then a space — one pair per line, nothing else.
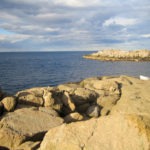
9, 103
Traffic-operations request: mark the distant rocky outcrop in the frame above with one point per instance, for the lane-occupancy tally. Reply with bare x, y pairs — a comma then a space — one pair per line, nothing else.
119, 55
96, 113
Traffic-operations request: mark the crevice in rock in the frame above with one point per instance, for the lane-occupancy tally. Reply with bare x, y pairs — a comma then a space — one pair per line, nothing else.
36, 137
93, 131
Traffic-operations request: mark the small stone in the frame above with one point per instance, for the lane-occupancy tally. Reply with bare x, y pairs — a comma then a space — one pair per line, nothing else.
73, 117
93, 111
9, 103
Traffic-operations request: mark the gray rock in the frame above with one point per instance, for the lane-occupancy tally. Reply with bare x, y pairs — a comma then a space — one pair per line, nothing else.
93, 111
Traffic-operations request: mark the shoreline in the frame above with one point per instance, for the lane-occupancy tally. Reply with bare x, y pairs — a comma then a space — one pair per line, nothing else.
35, 118
118, 55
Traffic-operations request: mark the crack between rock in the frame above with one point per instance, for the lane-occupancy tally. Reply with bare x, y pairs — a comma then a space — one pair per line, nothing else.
92, 133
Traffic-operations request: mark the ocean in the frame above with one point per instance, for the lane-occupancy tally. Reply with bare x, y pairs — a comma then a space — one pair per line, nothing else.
22, 70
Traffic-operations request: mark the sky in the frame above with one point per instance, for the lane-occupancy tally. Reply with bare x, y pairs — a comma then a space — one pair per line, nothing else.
69, 25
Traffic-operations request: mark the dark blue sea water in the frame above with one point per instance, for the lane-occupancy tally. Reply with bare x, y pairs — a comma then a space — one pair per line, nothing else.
31, 69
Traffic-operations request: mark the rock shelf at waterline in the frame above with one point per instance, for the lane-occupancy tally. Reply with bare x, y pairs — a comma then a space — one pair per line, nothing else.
120, 55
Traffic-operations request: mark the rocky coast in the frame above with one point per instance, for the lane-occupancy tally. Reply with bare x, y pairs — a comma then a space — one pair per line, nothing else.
120, 55
99, 113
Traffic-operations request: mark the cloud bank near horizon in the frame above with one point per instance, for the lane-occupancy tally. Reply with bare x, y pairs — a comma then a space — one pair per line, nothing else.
45, 25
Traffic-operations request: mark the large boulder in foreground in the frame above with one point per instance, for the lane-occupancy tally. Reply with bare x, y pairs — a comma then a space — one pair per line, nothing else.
114, 132
26, 124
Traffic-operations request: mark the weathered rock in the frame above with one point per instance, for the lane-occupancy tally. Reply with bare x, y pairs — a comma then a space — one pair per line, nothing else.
82, 96
110, 95
58, 104
73, 117
113, 132
29, 145
68, 87
9, 103
29, 98
1, 108
135, 98
49, 111
107, 85
93, 111
48, 99
68, 102
25, 124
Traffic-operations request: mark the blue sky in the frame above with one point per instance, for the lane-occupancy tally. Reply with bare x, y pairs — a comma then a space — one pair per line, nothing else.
51, 25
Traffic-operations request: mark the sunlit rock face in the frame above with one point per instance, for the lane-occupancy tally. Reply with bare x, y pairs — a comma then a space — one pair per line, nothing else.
96, 113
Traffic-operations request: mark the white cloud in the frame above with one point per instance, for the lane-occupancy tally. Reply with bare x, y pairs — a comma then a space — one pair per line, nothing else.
78, 3
145, 35
120, 21
14, 38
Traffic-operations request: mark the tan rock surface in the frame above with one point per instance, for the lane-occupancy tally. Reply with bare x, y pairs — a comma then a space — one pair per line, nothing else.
9, 103
122, 104
24, 124
73, 117
135, 98
121, 132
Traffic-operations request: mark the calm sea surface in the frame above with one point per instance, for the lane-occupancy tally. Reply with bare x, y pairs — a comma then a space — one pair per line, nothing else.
31, 69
